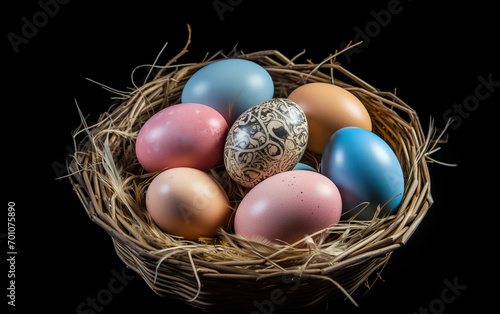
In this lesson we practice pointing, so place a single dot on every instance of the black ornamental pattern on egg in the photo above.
(265, 140)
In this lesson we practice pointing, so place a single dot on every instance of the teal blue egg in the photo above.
(230, 86)
(301, 166)
(365, 169)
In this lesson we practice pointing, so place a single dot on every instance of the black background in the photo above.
(432, 53)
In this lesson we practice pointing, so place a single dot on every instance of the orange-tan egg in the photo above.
(329, 108)
(187, 202)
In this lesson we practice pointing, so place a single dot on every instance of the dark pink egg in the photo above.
(183, 135)
(288, 206)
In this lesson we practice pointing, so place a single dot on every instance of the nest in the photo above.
(229, 272)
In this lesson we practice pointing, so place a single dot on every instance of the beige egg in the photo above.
(187, 202)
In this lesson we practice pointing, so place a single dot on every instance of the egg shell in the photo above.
(187, 202)
(365, 169)
(329, 108)
(301, 166)
(288, 206)
(267, 139)
(229, 86)
(182, 135)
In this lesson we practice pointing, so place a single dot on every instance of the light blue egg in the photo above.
(301, 166)
(365, 169)
(230, 86)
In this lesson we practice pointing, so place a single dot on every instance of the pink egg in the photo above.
(183, 135)
(288, 206)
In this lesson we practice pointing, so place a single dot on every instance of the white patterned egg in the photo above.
(267, 139)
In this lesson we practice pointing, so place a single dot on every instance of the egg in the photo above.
(302, 166)
(329, 108)
(267, 139)
(287, 207)
(230, 86)
(187, 202)
(365, 169)
(182, 135)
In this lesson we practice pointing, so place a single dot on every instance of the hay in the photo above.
(229, 271)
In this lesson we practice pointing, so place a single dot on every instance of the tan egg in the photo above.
(329, 108)
(187, 202)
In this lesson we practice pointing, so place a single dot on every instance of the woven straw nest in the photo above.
(230, 272)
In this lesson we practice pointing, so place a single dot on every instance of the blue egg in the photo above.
(230, 86)
(365, 169)
(301, 166)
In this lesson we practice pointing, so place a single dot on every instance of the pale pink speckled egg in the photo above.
(288, 206)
